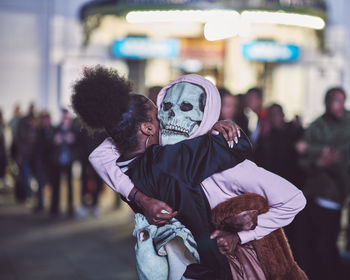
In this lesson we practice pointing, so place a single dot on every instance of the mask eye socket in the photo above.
(186, 106)
(167, 106)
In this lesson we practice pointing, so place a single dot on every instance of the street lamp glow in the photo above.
(202, 16)
(283, 18)
(222, 24)
(218, 30)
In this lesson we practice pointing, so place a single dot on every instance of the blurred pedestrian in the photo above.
(3, 155)
(325, 158)
(241, 119)
(25, 141)
(43, 156)
(229, 104)
(258, 123)
(63, 145)
(91, 183)
(276, 151)
(13, 124)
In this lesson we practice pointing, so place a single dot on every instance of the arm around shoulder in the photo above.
(285, 200)
(103, 159)
(196, 159)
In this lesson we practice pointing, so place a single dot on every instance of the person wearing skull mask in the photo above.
(284, 199)
(102, 100)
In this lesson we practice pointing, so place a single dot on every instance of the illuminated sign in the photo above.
(143, 48)
(270, 51)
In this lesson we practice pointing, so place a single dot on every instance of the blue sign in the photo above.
(270, 51)
(143, 48)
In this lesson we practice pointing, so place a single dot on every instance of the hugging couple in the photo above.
(203, 209)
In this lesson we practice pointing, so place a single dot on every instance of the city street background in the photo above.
(38, 247)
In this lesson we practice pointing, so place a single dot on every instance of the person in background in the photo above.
(229, 104)
(324, 155)
(43, 158)
(91, 183)
(153, 93)
(276, 151)
(13, 123)
(25, 141)
(241, 119)
(3, 156)
(258, 123)
(63, 146)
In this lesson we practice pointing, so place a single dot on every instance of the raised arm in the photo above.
(103, 159)
(194, 160)
(284, 199)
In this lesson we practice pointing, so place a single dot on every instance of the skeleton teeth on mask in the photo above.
(175, 127)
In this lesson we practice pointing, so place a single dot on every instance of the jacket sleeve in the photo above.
(284, 199)
(103, 159)
(314, 138)
(194, 160)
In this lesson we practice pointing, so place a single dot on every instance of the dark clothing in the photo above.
(276, 152)
(331, 182)
(326, 189)
(56, 186)
(242, 120)
(324, 228)
(44, 144)
(91, 183)
(262, 126)
(25, 152)
(43, 161)
(26, 138)
(173, 174)
(3, 156)
(63, 155)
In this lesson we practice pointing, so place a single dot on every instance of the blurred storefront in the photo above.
(294, 49)
(276, 45)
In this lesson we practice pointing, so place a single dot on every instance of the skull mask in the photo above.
(181, 112)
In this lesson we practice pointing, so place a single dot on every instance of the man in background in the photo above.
(325, 158)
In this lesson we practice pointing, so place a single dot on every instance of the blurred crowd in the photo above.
(315, 159)
(41, 154)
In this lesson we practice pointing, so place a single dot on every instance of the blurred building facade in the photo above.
(46, 42)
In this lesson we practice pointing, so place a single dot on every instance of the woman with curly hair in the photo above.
(171, 173)
(181, 175)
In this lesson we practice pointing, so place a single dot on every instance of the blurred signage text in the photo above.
(144, 48)
(270, 51)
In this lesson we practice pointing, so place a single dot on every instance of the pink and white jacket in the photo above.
(285, 200)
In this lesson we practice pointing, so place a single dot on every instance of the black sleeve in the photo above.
(196, 159)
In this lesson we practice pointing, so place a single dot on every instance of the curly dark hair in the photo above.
(103, 100)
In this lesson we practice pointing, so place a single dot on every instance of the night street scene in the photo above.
(175, 140)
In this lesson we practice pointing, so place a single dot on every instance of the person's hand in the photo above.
(229, 129)
(246, 220)
(226, 241)
(328, 157)
(156, 212)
